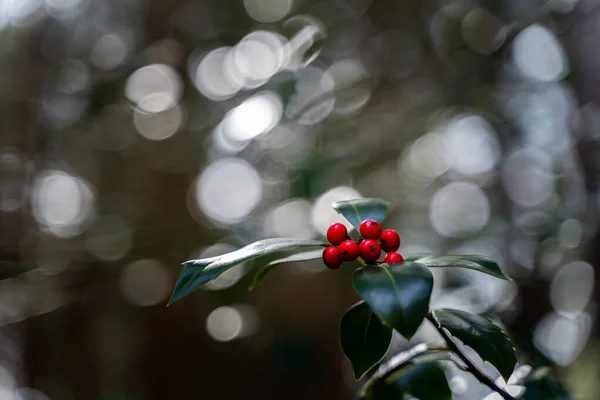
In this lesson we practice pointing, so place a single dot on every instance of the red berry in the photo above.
(393, 257)
(369, 250)
(370, 229)
(331, 257)
(390, 240)
(349, 250)
(336, 234)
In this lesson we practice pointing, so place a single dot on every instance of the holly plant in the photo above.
(396, 293)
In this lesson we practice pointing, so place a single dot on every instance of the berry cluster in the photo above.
(373, 240)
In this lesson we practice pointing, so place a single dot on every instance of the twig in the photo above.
(483, 378)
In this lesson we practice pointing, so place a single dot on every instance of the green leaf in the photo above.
(482, 335)
(545, 388)
(399, 294)
(356, 211)
(363, 338)
(426, 381)
(197, 272)
(391, 365)
(264, 270)
(474, 262)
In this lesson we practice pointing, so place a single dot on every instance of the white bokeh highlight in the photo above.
(459, 209)
(227, 323)
(62, 203)
(290, 219)
(255, 116)
(471, 145)
(228, 190)
(538, 54)
(160, 82)
(528, 176)
(323, 214)
(561, 339)
(268, 10)
(571, 288)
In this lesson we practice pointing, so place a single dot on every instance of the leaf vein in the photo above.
(363, 344)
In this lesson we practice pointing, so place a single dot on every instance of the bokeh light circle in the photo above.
(228, 190)
(459, 209)
(471, 144)
(572, 287)
(62, 203)
(255, 116)
(313, 100)
(323, 214)
(159, 81)
(352, 84)
(539, 55)
(268, 10)
(212, 78)
(159, 125)
(227, 323)
(146, 282)
(290, 219)
(528, 177)
(256, 58)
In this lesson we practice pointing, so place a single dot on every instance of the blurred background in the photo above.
(137, 134)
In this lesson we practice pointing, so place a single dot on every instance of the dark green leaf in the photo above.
(399, 294)
(197, 272)
(356, 211)
(416, 256)
(391, 365)
(264, 270)
(364, 339)
(426, 381)
(483, 336)
(545, 388)
(474, 262)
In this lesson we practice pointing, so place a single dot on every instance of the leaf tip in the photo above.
(503, 276)
(174, 297)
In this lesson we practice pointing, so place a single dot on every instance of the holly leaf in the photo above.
(399, 294)
(482, 335)
(363, 338)
(358, 210)
(415, 371)
(425, 381)
(264, 270)
(474, 262)
(198, 272)
(391, 365)
(545, 387)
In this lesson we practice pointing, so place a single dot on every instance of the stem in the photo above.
(440, 348)
(472, 368)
